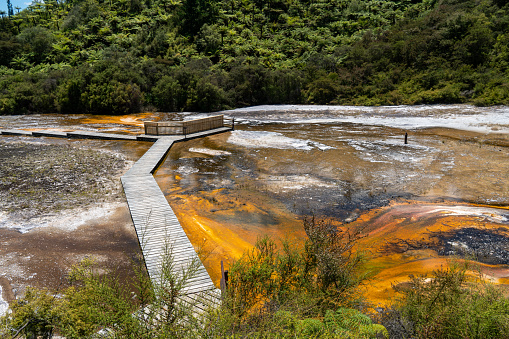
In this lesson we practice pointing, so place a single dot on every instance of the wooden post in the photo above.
(185, 130)
(223, 284)
(406, 138)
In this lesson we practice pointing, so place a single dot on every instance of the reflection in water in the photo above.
(418, 203)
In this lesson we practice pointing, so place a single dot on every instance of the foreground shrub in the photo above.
(323, 273)
(104, 304)
(298, 290)
(449, 305)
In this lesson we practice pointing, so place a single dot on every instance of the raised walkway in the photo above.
(156, 224)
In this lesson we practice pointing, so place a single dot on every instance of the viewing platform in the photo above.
(187, 126)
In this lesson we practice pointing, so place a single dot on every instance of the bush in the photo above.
(26, 93)
(168, 95)
(112, 98)
(304, 281)
(450, 305)
(96, 302)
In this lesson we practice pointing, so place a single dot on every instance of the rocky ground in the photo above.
(59, 203)
(39, 179)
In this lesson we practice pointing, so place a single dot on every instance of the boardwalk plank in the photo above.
(54, 134)
(16, 132)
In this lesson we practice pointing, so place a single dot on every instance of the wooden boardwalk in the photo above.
(155, 222)
(73, 134)
(108, 136)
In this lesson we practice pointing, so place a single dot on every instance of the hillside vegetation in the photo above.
(124, 56)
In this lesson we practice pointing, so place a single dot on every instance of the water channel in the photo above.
(443, 195)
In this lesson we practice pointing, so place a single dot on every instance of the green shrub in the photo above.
(295, 282)
(168, 95)
(351, 323)
(447, 94)
(321, 91)
(450, 305)
(112, 98)
(310, 328)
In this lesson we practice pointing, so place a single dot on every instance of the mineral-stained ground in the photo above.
(60, 202)
(38, 179)
(443, 196)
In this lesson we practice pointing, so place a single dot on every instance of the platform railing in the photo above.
(186, 127)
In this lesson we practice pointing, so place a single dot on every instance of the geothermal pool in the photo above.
(443, 195)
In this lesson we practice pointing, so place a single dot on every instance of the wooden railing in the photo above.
(185, 127)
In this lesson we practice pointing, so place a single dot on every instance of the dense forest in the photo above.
(124, 56)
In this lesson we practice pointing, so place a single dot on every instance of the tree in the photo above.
(38, 41)
(196, 13)
(10, 11)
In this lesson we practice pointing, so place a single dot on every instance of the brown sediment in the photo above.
(40, 179)
(43, 257)
(493, 139)
(57, 240)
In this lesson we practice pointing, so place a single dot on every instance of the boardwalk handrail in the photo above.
(183, 127)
